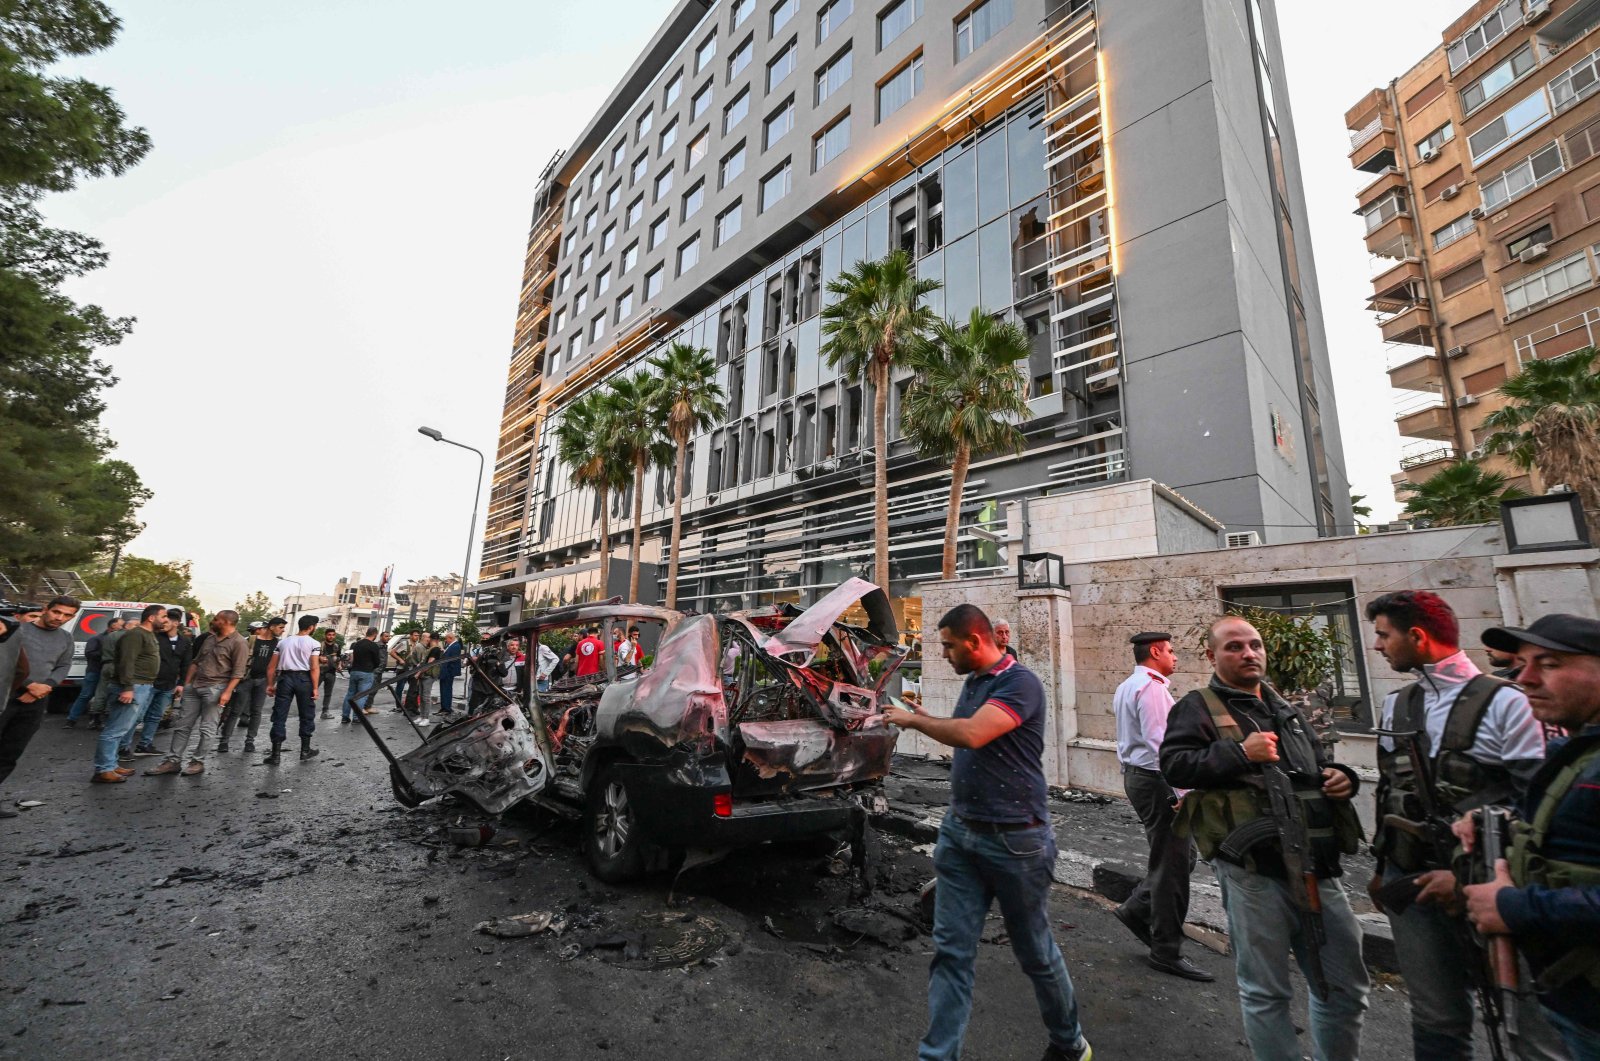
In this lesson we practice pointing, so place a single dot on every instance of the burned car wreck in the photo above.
(736, 729)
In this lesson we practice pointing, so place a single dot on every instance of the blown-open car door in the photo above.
(493, 760)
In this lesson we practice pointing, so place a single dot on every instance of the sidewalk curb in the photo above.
(1115, 881)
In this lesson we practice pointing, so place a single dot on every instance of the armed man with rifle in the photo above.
(1452, 740)
(1545, 893)
(1272, 814)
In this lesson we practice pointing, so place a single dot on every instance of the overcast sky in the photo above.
(324, 248)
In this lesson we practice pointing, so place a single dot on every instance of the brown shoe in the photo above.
(125, 771)
(166, 767)
(110, 777)
(194, 769)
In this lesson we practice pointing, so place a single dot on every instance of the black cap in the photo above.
(1559, 632)
(277, 620)
(1149, 638)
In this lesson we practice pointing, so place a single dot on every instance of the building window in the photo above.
(575, 348)
(1481, 37)
(1519, 119)
(591, 219)
(1577, 84)
(642, 127)
(1523, 177)
(617, 154)
(608, 238)
(652, 281)
(897, 91)
(641, 166)
(1501, 77)
(728, 223)
(1430, 144)
(734, 112)
(1544, 235)
(559, 324)
(699, 146)
(777, 123)
(614, 196)
(781, 65)
(630, 256)
(833, 75)
(832, 16)
(694, 199)
(896, 19)
(635, 212)
(742, 9)
(624, 305)
(602, 283)
(580, 301)
(594, 179)
(741, 57)
(700, 103)
(669, 136)
(1447, 235)
(831, 142)
(663, 183)
(781, 13)
(565, 282)
(1548, 284)
(1332, 606)
(705, 53)
(586, 259)
(732, 165)
(597, 328)
(689, 255)
(658, 231)
(674, 90)
(570, 243)
(1382, 209)
(776, 185)
(974, 29)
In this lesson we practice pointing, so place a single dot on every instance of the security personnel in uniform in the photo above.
(1156, 910)
(1218, 740)
(1546, 894)
(1483, 745)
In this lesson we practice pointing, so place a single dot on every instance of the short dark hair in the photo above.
(371, 630)
(150, 612)
(633, 629)
(1413, 608)
(65, 601)
(1141, 652)
(307, 622)
(175, 614)
(228, 615)
(967, 620)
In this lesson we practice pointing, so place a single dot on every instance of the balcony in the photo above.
(1390, 180)
(1562, 337)
(1426, 456)
(1412, 324)
(1417, 374)
(1397, 280)
(1431, 421)
(1372, 147)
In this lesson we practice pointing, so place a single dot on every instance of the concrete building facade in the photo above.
(1120, 177)
(1483, 217)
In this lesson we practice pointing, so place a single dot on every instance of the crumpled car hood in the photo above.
(805, 632)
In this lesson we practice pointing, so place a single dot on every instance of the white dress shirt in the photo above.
(1141, 706)
(1508, 733)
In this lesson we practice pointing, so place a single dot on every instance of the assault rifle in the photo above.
(1494, 827)
(1286, 825)
(1434, 831)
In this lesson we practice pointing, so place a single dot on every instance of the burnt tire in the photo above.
(612, 844)
(402, 789)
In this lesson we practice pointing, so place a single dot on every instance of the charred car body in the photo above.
(737, 729)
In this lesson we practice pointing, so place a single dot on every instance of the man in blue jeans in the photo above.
(93, 668)
(366, 663)
(996, 843)
(138, 662)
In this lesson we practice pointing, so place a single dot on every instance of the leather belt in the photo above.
(998, 827)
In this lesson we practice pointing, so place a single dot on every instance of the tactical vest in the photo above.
(1460, 781)
(1529, 866)
(1210, 815)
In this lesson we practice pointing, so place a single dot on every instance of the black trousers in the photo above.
(328, 678)
(1161, 900)
(18, 723)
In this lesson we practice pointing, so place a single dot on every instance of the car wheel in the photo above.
(611, 841)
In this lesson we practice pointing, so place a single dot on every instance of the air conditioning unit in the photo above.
(1456, 351)
(1476, 212)
(1534, 253)
(1392, 528)
(1428, 155)
(1240, 539)
(1450, 192)
(1476, 453)
(1537, 10)
(1466, 400)
(1103, 386)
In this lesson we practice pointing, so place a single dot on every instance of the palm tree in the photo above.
(967, 398)
(878, 315)
(583, 444)
(1552, 423)
(1460, 494)
(632, 412)
(1360, 510)
(690, 399)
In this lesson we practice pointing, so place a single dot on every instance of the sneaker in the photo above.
(222, 746)
(98, 723)
(1084, 1052)
(249, 746)
(423, 722)
(325, 714)
(125, 756)
(145, 749)
(72, 723)
(194, 769)
(344, 722)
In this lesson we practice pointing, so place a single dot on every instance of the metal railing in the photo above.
(1366, 132)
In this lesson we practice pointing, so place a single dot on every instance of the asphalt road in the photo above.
(298, 911)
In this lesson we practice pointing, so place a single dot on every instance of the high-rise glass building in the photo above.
(1119, 177)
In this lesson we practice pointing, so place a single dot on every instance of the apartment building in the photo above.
(1118, 176)
(1482, 217)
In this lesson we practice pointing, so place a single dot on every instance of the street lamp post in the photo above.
(472, 528)
(299, 593)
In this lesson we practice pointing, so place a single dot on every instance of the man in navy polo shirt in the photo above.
(996, 842)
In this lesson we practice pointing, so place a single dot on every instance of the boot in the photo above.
(306, 750)
(276, 757)
(222, 746)
(249, 746)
